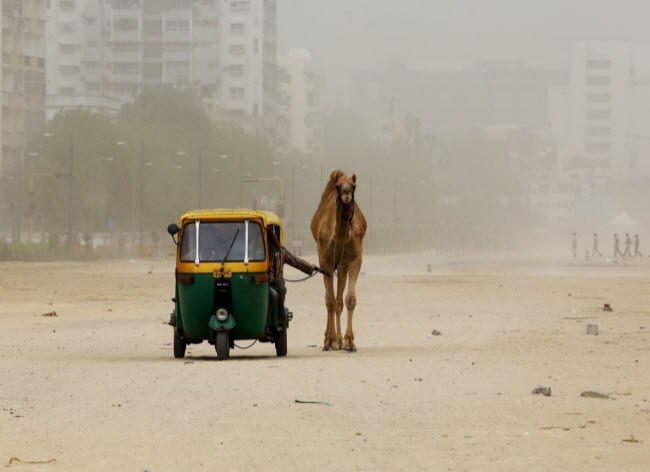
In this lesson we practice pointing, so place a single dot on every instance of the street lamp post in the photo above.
(71, 191)
(140, 197)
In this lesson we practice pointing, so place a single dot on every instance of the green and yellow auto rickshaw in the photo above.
(222, 291)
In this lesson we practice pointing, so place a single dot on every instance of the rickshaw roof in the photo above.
(267, 217)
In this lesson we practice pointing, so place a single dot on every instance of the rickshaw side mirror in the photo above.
(172, 229)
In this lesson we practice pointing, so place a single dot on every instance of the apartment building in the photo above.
(593, 118)
(300, 103)
(76, 62)
(115, 49)
(22, 79)
(249, 52)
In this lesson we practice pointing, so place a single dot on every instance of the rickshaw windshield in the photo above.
(215, 238)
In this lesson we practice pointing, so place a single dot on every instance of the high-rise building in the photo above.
(115, 49)
(76, 59)
(594, 116)
(301, 87)
(249, 59)
(22, 80)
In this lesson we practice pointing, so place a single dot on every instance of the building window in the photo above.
(598, 114)
(125, 47)
(177, 25)
(598, 98)
(256, 46)
(237, 49)
(178, 46)
(66, 5)
(236, 70)
(597, 148)
(240, 6)
(237, 92)
(598, 81)
(68, 70)
(598, 131)
(125, 24)
(66, 91)
(178, 70)
(152, 27)
(237, 28)
(598, 64)
(67, 48)
(67, 27)
(126, 68)
(92, 44)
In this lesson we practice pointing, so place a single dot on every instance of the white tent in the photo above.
(623, 220)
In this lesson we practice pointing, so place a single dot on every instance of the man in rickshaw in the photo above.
(279, 255)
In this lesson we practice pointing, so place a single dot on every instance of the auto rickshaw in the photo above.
(223, 293)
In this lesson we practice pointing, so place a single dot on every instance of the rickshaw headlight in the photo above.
(222, 314)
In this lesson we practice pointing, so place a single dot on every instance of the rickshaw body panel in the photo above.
(195, 284)
(250, 305)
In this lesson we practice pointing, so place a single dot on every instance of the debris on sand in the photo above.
(592, 394)
(607, 307)
(16, 459)
(631, 439)
(592, 329)
(51, 313)
(310, 402)
(435, 332)
(546, 391)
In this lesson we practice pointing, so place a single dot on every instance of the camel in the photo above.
(338, 227)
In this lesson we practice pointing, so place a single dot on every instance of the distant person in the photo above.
(637, 253)
(595, 249)
(574, 246)
(617, 246)
(628, 246)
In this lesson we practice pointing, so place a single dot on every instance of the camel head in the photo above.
(345, 187)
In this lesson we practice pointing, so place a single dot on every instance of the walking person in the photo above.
(637, 253)
(617, 246)
(574, 246)
(595, 249)
(628, 246)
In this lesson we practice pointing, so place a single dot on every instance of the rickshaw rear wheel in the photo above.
(222, 345)
(281, 343)
(179, 346)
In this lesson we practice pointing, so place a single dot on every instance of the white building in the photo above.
(76, 63)
(301, 87)
(106, 52)
(593, 117)
(249, 84)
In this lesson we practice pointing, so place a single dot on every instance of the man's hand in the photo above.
(322, 271)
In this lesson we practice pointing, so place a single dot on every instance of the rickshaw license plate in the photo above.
(222, 273)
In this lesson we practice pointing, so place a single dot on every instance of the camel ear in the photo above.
(354, 178)
(336, 175)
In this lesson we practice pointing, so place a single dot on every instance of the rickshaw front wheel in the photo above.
(179, 346)
(281, 343)
(222, 345)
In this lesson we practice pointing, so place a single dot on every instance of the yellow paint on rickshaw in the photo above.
(265, 218)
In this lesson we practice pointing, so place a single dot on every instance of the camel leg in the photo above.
(330, 303)
(351, 303)
(340, 290)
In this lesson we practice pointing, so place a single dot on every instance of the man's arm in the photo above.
(298, 263)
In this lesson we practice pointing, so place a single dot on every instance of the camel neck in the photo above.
(346, 211)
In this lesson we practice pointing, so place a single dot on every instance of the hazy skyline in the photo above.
(350, 35)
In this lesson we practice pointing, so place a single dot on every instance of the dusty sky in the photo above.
(347, 35)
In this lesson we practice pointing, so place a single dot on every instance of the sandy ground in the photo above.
(97, 388)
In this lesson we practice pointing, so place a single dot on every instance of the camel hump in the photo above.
(336, 175)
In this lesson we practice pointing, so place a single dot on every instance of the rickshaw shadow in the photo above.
(245, 358)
